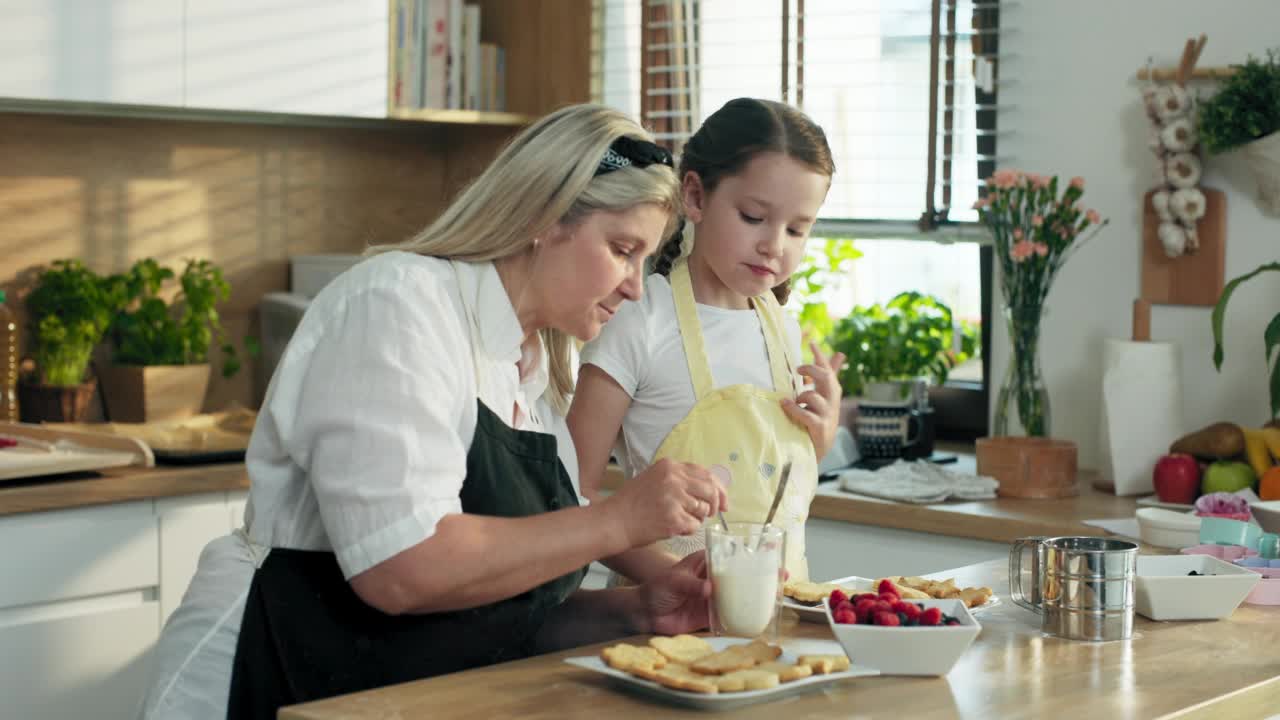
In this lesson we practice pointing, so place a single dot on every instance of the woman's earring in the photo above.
(536, 241)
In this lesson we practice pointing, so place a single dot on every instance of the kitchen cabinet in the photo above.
(324, 57)
(117, 51)
(79, 660)
(187, 524)
(97, 584)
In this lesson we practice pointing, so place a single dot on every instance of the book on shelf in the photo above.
(437, 60)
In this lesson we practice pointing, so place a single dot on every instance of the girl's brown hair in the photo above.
(734, 135)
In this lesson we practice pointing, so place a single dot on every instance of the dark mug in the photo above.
(885, 429)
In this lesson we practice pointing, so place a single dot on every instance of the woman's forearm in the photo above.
(592, 616)
(643, 563)
(475, 560)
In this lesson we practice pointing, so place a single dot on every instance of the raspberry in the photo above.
(846, 605)
(890, 598)
(865, 606)
(845, 617)
(953, 621)
(882, 606)
(886, 587)
(931, 616)
(838, 596)
(864, 596)
(908, 609)
(887, 619)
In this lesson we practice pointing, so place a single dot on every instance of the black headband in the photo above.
(630, 152)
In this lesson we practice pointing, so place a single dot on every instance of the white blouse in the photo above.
(360, 446)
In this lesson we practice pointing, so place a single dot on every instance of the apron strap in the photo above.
(695, 352)
(781, 364)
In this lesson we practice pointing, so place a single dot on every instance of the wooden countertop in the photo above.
(1219, 669)
(118, 485)
(999, 520)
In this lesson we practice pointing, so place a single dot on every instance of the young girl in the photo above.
(703, 369)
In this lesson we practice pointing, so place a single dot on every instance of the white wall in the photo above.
(1075, 109)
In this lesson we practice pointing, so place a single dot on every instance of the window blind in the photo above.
(905, 89)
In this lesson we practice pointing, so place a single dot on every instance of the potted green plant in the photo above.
(160, 351)
(1245, 113)
(889, 347)
(1270, 336)
(70, 309)
(825, 263)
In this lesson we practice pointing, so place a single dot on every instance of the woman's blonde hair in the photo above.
(544, 176)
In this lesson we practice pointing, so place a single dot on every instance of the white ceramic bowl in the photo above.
(1167, 528)
(1267, 514)
(912, 650)
(1164, 591)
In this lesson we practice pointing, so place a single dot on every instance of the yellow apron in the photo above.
(743, 428)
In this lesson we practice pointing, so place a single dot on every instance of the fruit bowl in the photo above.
(916, 650)
(1164, 589)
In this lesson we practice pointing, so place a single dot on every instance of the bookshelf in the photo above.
(546, 44)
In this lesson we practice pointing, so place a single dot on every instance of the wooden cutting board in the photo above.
(1189, 279)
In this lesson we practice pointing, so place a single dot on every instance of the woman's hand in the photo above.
(676, 601)
(818, 410)
(670, 498)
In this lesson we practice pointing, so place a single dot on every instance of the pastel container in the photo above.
(1222, 531)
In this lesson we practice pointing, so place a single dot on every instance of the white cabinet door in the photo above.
(324, 57)
(187, 524)
(82, 552)
(91, 662)
(120, 51)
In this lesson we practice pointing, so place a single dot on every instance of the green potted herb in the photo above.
(70, 309)
(1270, 336)
(160, 350)
(888, 347)
(1245, 113)
(825, 263)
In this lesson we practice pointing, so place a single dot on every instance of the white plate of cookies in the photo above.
(721, 673)
(806, 597)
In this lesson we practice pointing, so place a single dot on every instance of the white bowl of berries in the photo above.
(901, 637)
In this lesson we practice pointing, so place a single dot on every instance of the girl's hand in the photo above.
(676, 601)
(669, 498)
(818, 410)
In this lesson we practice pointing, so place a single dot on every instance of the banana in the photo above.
(1256, 445)
(1271, 436)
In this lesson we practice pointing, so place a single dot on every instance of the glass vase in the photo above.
(1022, 403)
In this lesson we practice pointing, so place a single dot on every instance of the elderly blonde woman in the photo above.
(413, 507)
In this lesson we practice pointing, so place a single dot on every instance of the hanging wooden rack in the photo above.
(1187, 69)
(1202, 73)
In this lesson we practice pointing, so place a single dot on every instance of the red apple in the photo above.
(1177, 478)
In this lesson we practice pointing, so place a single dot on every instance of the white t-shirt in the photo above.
(360, 446)
(641, 348)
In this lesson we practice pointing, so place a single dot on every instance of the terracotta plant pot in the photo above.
(1029, 467)
(55, 403)
(145, 393)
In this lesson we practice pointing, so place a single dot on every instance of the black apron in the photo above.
(306, 635)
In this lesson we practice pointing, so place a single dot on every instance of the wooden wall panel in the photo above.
(111, 191)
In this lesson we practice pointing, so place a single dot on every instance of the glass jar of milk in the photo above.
(745, 564)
